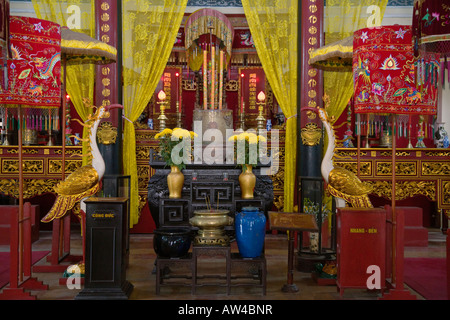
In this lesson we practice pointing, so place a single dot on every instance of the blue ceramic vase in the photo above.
(250, 228)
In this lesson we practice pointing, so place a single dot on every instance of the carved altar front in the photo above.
(424, 171)
(42, 168)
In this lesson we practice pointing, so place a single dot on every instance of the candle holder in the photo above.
(162, 117)
(242, 120)
(5, 141)
(367, 141)
(179, 124)
(410, 146)
(261, 120)
(50, 140)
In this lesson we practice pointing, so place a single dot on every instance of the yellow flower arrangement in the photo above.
(168, 139)
(249, 138)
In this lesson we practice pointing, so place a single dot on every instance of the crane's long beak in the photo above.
(113, 106)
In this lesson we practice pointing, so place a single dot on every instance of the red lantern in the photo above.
(385, 76)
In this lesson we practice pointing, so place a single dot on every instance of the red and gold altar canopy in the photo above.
(34, 70)
(207, 22)
(385, 79)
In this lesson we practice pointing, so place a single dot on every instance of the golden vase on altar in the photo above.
(247, 181)
(175, 181)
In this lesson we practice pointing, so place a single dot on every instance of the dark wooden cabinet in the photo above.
(106, 249)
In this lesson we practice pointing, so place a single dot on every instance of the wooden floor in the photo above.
(142, 259)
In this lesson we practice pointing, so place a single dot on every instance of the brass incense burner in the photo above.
(211, 224)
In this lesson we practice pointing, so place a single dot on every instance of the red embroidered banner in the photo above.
(34, 70)
(385, 75)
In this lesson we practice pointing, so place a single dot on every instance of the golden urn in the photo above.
(211, 224)
(175, 181)
(247, 181)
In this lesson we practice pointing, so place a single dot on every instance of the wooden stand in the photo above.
(291, 222)
(211, 251)
(233, 262)
(106, 239)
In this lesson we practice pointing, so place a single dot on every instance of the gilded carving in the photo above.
(105, 27)
(139, 126)
(401, 168)
(446, 192)
(106, 92)
(278, 179)
(188, 85)
(105, 38)
(145, 136)
(312, 72)
(232, 85)
(31, 188)
(105, 6)
(28, 166)
(143, 153)
(311, 115)
(143, 173)
(311, 134)
(312, 104)
(24, 151)
(365, 168)
(105, 17)
(142, 201)
(404, 189)
(437, 153)
(435, 168)
(71, 152)
(398, 153)
(55, 166)
(106, 133)
(349, 153)
(278, 202)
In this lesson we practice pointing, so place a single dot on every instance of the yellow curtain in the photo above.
(80, 77)
(274, 26)
(342, 18)
(149, 32)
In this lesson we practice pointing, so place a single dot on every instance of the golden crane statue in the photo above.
(343, 184)
(86, 180)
